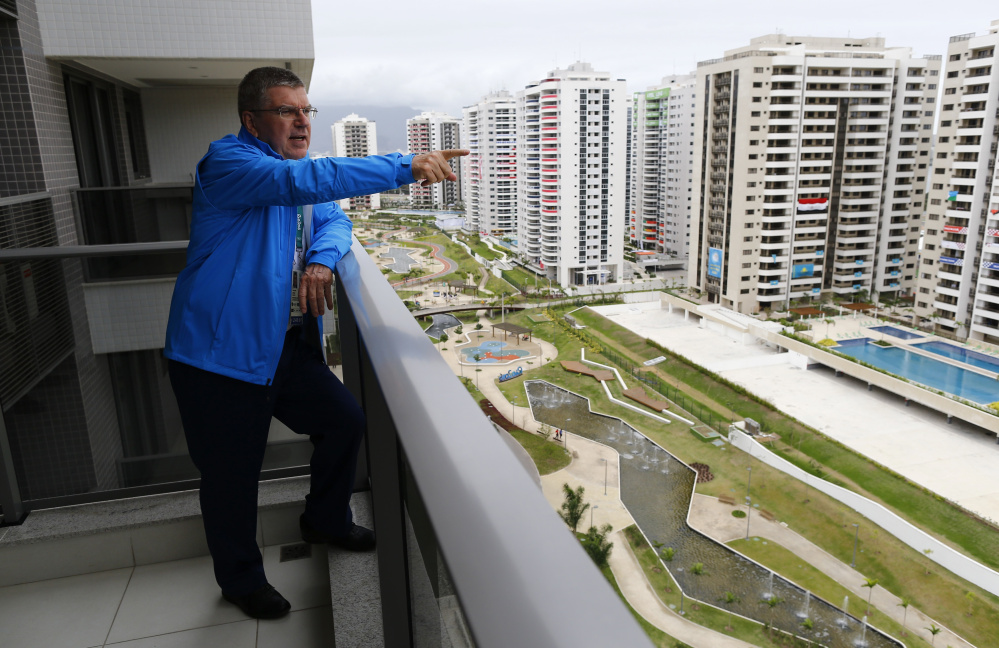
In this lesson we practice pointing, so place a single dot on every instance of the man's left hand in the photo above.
(315, 287)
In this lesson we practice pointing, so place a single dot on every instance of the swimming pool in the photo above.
(925, 371)
(897, 332)
(973, 358)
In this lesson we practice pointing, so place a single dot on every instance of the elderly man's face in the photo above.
(288, 137)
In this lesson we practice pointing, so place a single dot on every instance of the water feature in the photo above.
(659, 500)
(842, 621)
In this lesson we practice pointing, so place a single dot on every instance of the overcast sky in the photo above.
(447, 55)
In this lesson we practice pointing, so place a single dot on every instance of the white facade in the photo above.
(812, 158)
(571, 175)
(435, 131)
(959, 271)
(355, 136)
(662, 151)
(489, 172)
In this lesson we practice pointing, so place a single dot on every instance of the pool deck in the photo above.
(956, 461)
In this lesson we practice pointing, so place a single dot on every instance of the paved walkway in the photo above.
(595, 467)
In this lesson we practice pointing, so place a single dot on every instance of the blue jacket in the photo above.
(231, 302)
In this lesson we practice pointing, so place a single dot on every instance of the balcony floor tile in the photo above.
(76, 611)
(239, 634)
(171, 597)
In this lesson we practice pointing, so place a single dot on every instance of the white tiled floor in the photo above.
(167, 605)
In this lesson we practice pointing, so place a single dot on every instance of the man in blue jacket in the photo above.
(243, 336)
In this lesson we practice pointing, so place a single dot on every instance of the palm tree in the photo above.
(905, 610)
(933, 631)
(573, 507)
(871, 583)
(772, 603)
(829, 321)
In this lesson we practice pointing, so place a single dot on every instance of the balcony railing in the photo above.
(452, 505)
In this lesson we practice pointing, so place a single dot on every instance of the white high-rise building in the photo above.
(811, 164)
(662, 151)
(958, 289)
(489, 172)
(435, 131)
(571, 180)
(355, 136)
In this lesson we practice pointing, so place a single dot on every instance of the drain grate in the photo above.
(296, 551)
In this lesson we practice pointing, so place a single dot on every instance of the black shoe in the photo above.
(357, 539)
(264, 603)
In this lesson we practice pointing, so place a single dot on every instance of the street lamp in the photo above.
(749, 508)
(605, 474)
(591, 514)
(856, 536)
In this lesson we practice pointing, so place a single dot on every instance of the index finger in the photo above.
(453, 153)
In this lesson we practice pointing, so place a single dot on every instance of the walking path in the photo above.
(595, 467)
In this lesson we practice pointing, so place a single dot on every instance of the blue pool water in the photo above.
(973, 358)
(897, 332)
(926, 371)
(492, 352)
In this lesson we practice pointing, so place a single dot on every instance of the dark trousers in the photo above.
(226, 423)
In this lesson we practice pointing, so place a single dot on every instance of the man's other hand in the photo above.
(432, 167)
(315, 287)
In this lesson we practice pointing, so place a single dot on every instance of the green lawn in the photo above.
(549, 457)
(772, 555)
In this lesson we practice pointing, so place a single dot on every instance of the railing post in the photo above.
(10, 494)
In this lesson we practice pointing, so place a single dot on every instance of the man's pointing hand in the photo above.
(429, 168)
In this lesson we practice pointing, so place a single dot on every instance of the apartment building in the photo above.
(812, 157)
(434, 131)
(662, 150)
(958, 289)
(106, 110)
(355, 136)
(571, 179)
(489, 171)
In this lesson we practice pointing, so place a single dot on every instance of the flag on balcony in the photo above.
(952, 195)
(812, 205)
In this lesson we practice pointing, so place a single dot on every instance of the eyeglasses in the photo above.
(291, 112)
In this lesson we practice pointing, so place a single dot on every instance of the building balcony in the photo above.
(439, 562)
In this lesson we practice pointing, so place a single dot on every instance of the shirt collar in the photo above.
(245, 137)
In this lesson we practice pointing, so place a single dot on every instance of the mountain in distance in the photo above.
(391, 121)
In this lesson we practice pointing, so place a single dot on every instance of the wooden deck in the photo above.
(638, 395)
(578, 367)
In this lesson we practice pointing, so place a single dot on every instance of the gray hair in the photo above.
(254, 86)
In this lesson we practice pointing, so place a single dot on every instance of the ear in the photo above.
(248, 123)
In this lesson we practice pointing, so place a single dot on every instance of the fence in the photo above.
(672, 393)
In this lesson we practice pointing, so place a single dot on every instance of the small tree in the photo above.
(596, 545)
(772, 603)
(969, 596)
(668, 553)
(729, 597)
(871, 583)
(905, 602)
(934, 630)
(573, 507)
